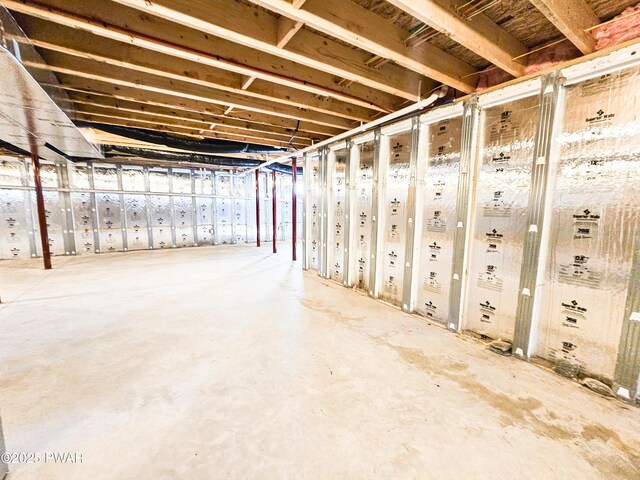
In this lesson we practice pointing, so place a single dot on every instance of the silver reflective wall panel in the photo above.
(593, 223)
(136, 220)
(109, 222)
(183, 218)
(83, 222)
(337, 213)
(133, 179)
(284, 190)
(362, 197)
(393, 215)
(105, 177)
(439, 186)
(11, 172)
(504, 178)
(181, 181)
(158, 180)
(160, 221)
(314, 212)
(14, 226)
(224, 220)
(80, 176)
(240, 220)
(204, 207)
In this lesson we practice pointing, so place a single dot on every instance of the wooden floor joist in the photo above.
(48, 36)
(106, 19)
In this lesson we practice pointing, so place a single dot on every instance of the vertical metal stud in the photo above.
(347, 223)
(467, 178)
(411, 216)
(172, 213)
(626, 382)
(532, 261)
(324, 220)
(123, 213)
(214, 213)
(274, 206)
(375, 207)
(306, 224)
(64, 186)
(94, 208)
(257, 208)
(194, 204)
(147, 197)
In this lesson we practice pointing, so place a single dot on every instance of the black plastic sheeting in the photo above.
(111, 151)
(206, 146)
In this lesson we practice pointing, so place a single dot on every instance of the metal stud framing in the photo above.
(411, 216)
(463, 211)
(324, 220)
(123, 213)
(347, 219)
(306, 178)
(147, 197)
(27, 202)
(375, 207)
(94, 209)
(532, 261)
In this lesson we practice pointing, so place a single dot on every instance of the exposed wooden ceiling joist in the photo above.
(478, 33)
(162, 35)
(573, 18)
(78, 87)
(49, 36)
(361, 27)
(255, 28)
(80, 67)
(88, 103)
(114, 117)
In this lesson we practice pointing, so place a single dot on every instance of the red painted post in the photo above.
(274, 204)
(257, 208)
(42, 216)
(294, 208)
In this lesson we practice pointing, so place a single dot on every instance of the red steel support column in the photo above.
(274, 204)
(42, 217)
(257, 208)
(294, 208)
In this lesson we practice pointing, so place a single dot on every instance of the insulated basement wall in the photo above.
(513, 215)
(104, 208)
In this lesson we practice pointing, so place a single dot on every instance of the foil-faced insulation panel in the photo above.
(204, 219)
(361, 232)
(394, 217)
(105, 177)
(83, 222)
(500, 217)
(251, 209)
(14, 224)
(203, 181)
(224, 219)
(11, 172)
(183, 218)
(160, 221)
(48, 175)
(181, 181)
(223, 185)
(439, 188)
(109, 222)
(135, 207)
(56, 224)
(80, 176)
(159, 180)
(337, 214)
(313, 212)
(594, 221)
(240, 219)
(133, 179)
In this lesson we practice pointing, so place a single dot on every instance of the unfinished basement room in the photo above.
(319, 239)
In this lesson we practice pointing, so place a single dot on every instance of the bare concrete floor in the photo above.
(230, 363)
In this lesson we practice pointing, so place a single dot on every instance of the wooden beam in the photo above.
(65, 64)
(297, 3)
(365, 29)
(478, 33)
(75, 86)
(162, 35)
(180, 126)
(287, 28)
(181, 131)
(49, 36)
(87, 102)
(252, 27)
(572, 18)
